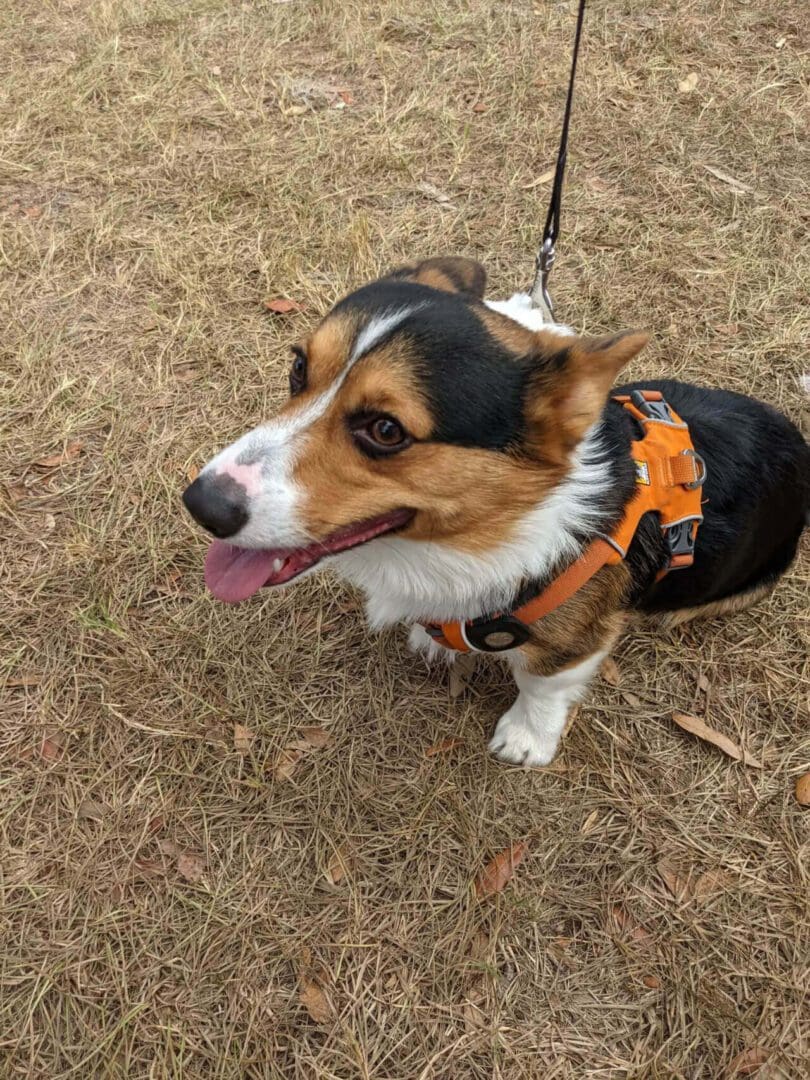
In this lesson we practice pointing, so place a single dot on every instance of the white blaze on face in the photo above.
(263, 461)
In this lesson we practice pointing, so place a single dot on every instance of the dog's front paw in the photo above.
(518, 741)
(422, 644)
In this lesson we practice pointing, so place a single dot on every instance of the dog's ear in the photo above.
(450, 274)
(569, 383)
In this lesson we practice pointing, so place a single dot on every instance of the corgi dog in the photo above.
(451, 456)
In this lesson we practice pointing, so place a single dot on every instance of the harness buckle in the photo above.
(655, 409)
(680, 541)
(497, 634)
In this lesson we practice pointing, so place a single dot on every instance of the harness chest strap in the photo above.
(669, 478)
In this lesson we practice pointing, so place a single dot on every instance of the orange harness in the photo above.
(669, 478)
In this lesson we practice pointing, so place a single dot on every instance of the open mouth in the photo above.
(233, 574)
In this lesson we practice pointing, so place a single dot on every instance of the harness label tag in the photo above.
(642, 472)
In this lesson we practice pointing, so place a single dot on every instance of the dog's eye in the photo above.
(386, 432)
(380, 435)
(298, 372)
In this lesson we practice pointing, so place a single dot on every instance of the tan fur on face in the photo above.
(471, 498)
(385, 382)
(328, 348)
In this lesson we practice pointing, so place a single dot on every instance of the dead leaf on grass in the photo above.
(677, 881)
(480, 107)
(474, 1016)
(169, 584)
(279, 305)
(432, 192)
(33, 212)
(573, 713)
(52, 747)
(23, 680)
(610, 671)
(543, 178)
(150, 867)
(461, 675)
(748, 1062)
(287, 762)
(803, 790)
(727, 178)
(317, 737)
(190, 866)
(341, 865)
(629, 927)
(290, 756)
(684, 885)
(308, 93)
(89, 808)
(192, 473)
(688, 84)
(242, 737)
(710, 883)
(479, 946)
(346, 97)
(652, 982)
(497, 873)
(695, 726)
(17, 492)
(63, 457)
(315, 1001)
(632, 699)
(589, 823)
(443, 747)
(704, 684)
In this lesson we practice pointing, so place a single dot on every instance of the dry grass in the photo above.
(159, 179)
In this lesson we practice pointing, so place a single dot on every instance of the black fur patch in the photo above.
(473, 385)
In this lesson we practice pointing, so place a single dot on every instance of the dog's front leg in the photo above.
(529, 733)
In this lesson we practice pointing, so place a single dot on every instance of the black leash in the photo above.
(545, 255)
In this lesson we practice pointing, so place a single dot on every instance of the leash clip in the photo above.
(543, 266)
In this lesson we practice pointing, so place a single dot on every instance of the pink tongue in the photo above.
(233, 574)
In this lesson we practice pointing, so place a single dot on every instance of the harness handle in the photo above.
(546, 252)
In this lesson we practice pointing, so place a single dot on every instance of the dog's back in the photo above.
(756, 497)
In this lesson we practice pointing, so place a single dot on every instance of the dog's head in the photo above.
(414, 407)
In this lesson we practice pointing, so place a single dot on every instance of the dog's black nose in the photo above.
(218, 503)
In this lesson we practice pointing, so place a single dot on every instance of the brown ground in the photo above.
(167, 908)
